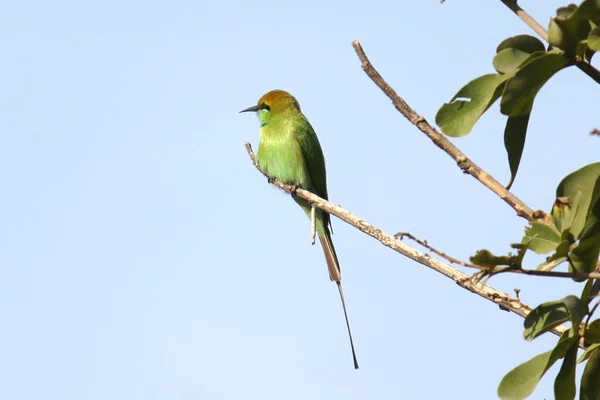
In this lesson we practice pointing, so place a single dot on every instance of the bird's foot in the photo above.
(293, 189)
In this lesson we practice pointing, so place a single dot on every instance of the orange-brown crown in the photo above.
(279, 100)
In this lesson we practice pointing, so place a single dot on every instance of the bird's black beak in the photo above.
(253, 108)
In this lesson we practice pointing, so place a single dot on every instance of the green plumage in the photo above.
(289, 151)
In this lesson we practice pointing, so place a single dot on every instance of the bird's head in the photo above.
(273, 103)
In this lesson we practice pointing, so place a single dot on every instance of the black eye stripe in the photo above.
(265, 107)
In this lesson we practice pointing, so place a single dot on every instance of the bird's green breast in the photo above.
(280, 155)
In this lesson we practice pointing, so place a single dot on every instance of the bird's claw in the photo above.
(293, 189)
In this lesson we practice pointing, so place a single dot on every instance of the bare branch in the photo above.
(539, 29)
(441, 141)
(557, 274)
(525, 17)
(592, 311)
(450, 259)
(532, 272)
(503, 300)
(313, 224)
(517, 291)
(588, 69)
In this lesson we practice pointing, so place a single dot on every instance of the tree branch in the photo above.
(532, 272)
(539, 29)
(503, 300)
(450, 259)
(442, 142)
(590, 313)
(527, 18)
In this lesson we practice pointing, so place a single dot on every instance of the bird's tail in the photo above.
(335, 275)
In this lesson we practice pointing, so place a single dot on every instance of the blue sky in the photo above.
(143, 257)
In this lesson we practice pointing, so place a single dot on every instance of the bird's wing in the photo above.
(314, 160)
(313, 157)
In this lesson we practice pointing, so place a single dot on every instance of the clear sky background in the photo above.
(143, 257)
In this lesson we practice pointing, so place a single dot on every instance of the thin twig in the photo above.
(539, 29)
(450, 259)
(503, 300)
(313, 224)
(440, 140)
(525, 17)
(592, 311)
(556, 274)
(532, 272)
(589, 70)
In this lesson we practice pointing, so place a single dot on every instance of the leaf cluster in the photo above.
(523, 65)
(570, 232)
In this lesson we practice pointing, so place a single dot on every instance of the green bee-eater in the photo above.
(289, 150)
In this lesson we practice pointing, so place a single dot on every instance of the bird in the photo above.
(289, 150)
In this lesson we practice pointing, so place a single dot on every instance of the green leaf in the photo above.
(514, 141)
(590, 381)
(592, 333)
(560, 37)
(588, 352)
(586, 294)
(584, 257)
(594, 39)
(525, 43)
(558, 257)
(508, 60)
(562, 250)
(564, 384)
(458, 117)
(532, 56)
(577, 309)
(592, 220)
(567, 12)
(589, 9)
(583, 181)
(571, 25)
(545, 317)
(515, 51)
(595, 290)
(555, 260)
(563, 213)
(484, 258)
(520, 91)
(522, 380)
(541, 237)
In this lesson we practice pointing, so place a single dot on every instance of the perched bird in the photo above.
(289, 151)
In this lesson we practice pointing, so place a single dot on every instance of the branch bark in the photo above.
(532, 272)
(503, 300)
(442, 142)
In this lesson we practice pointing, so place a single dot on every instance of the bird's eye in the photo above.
(265, 106)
